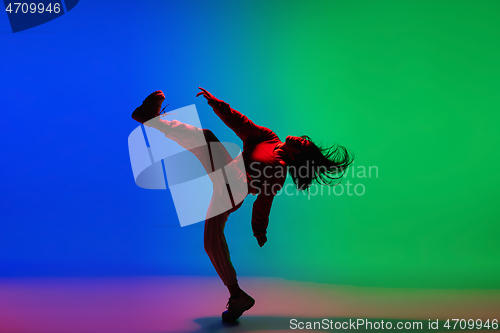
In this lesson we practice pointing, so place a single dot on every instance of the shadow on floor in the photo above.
(270, 324)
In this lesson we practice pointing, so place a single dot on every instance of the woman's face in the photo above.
(296, 144)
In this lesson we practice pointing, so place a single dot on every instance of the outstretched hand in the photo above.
(262, 240)
(207, 95)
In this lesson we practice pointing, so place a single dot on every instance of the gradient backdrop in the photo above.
(411, 87)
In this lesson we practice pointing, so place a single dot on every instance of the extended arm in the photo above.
(244, 128)
(260, 217)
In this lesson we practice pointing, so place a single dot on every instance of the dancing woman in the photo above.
(266, 160)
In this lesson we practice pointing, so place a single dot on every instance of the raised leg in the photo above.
(213, 155)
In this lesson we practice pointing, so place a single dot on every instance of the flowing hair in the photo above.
(320, 164)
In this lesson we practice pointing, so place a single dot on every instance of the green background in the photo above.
(412, 88)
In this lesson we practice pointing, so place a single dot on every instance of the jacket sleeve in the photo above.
(244, 128)
(260, 214)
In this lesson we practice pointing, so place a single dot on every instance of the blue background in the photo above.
(69, 202)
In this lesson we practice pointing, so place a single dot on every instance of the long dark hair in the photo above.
(320, 164)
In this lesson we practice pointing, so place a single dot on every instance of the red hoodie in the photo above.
(266, 173)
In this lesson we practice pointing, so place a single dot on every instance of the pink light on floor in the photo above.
(194, 304)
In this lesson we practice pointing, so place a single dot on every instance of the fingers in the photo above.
(205, 93)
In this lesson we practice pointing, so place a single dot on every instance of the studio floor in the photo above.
(185, 304)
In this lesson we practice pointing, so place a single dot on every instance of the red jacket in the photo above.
(266, 174)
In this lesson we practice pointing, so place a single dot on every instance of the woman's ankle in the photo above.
(234, 290)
